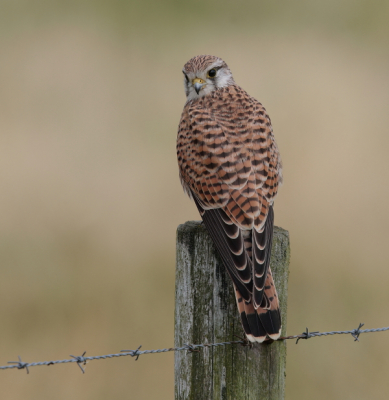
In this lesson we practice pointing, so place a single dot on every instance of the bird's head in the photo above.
(204, 74)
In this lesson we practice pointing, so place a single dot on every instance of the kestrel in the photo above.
(230, 166)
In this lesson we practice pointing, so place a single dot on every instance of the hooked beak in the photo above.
(198, 83)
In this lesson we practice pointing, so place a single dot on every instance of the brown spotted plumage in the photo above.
(230, 165)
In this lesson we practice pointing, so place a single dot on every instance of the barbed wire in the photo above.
(189, 348)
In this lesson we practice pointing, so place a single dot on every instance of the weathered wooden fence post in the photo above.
(206, 312)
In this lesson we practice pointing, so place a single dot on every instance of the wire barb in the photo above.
(356, 332)
(80, 360)
(306, 335)
(20, 364)
(191, 348)
(133, 353)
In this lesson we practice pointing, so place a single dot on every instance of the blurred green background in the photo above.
(90, 98)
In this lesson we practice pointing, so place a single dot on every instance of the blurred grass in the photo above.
(90, 99)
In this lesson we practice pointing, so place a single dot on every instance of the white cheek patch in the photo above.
(224, 78)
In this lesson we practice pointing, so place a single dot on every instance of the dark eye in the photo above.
(212, 73)
(186, 76)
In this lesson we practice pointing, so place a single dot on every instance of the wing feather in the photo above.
(262, 243)
(238, 265)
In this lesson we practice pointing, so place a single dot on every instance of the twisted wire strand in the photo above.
(190, 348)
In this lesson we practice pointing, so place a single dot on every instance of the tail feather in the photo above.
(256, 326)
(265, 321)
(269, 310)
(245, 323)
(251, 323)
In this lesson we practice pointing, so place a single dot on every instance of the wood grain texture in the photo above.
(205, 312)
